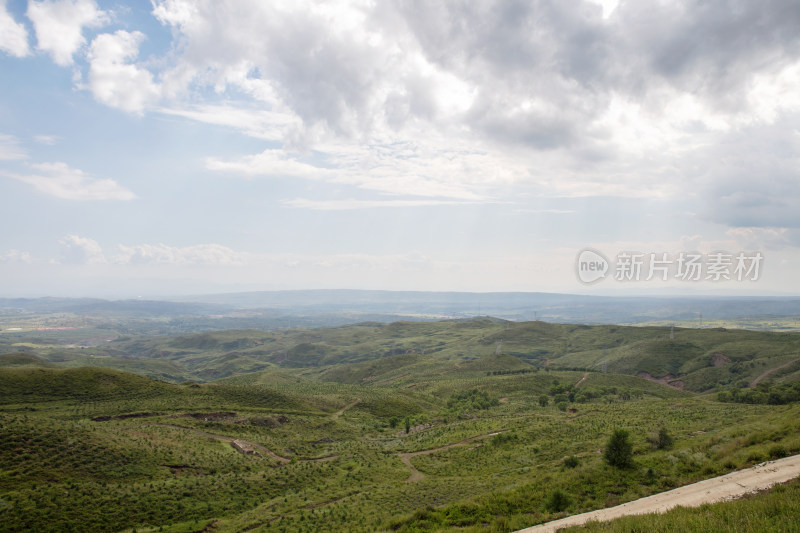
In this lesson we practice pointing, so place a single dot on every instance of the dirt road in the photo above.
(770, 371)
(416, 475)
(727, 487)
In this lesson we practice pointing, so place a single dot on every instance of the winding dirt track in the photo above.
(416, 475)
(770, 371)
(722, 488)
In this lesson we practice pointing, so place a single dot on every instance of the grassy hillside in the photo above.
(694, 359)
(468, 446)
(459, 425)
(21, 359)
(773, 510)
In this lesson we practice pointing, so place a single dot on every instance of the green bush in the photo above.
(557, 501)
(571, 462)
(619, 450)
(661, 440)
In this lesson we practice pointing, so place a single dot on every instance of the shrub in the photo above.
(777, 451)
(544, 400)
(571, 462)
(660, 440)
(619, 450)
(557, 501)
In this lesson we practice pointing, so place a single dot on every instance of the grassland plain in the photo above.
(92, 449)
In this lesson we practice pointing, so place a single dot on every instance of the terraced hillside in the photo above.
(476, 445)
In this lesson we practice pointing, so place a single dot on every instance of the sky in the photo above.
(191, 147)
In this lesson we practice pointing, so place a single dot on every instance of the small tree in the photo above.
(619, 450)
(544, 400)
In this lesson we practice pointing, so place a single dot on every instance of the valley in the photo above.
(477, 424)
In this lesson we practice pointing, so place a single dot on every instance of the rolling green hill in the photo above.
(694, 359)
(435, 445)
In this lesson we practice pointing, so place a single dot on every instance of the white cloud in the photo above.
(59, 26)
(62, 181)
(269, 163)
(16, 256)
(77, 250)
(200, 254)
(753, 239)
(470, 102)
(349, 204)
(608, 6)
(48, 140)
(13, 35)
(400, 168)
(547, 211)
(113, 80)
(10, 149)
(252, 121)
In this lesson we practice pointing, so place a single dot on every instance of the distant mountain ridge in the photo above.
(520, 306)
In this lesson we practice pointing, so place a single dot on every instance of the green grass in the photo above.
(773, 510)
(405, 352)
(332, 404)
(169, 465)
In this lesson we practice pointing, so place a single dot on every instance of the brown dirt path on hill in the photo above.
(728, 487)
(416, 475)
(770, 371)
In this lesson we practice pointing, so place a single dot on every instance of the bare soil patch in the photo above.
(669, 380)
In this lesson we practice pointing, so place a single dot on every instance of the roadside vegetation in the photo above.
(773, 510)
